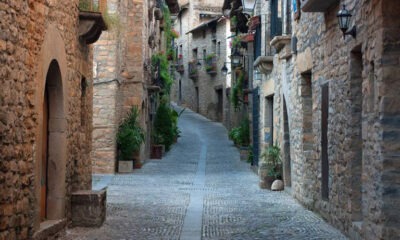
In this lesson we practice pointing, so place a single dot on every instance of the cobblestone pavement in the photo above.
(200, 190)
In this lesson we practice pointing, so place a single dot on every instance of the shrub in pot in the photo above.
(241, 138)
(271, 166)
(130, 137)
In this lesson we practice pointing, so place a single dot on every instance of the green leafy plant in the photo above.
(175, 116)
(164, 126)
(234, 135)
(130, 135)
(192, 67)
(210, 56)
(170, 33)
(174, 33)
(241, 135)
(112, 20)
(237, 89)
(234, 21)
(85, 5)
(237, 42)
(272, 160)
(165, 75)
(250, 157)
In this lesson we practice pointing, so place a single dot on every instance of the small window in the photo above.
(214, 46)
(204, 54)
(219, 48)
(194, 52)
(269, 120)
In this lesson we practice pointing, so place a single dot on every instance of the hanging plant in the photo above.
(160, 60)
(237, 89)
(174, 33)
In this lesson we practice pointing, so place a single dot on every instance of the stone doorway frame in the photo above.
(286, 158)
(51, 74)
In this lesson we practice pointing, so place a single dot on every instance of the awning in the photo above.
(205, 24)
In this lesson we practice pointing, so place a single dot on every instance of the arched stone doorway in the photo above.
(53, 146)
(51, 140)
(287, 165)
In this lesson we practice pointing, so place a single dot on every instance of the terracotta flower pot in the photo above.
(156, 151)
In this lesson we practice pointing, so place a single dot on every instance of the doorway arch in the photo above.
(53, 157)
(287, 163)
(51, 140)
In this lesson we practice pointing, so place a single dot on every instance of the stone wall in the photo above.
(362, 130)
(121, 80)
(106, 85)
(32, 35)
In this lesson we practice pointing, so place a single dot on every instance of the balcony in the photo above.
(317, 5)
(179, 65)
(193, 73)
(264, 64)
(91, 22)
(211, 64)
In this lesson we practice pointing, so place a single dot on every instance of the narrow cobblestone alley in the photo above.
(200, 190)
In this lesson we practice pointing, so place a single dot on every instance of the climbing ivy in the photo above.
(237, 89)
(165, 76)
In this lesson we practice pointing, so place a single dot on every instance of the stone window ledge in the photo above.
(317, 5)
(91, 25)
(264, 64)
(282, 44)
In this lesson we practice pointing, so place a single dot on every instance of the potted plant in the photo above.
(211, 66)
(130, 137)
(241, 138)
(271, 166)
(164, 130)
(157, 148)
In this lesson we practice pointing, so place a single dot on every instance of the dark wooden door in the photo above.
(256, 122)
(220, 105)
(43, 177)
(324, 142)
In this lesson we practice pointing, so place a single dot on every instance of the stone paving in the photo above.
(200, 190)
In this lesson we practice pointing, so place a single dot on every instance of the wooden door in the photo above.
(220, 105)
(43, 177)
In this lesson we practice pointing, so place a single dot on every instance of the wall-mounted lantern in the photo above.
(224, 69)
(344, 21)
(248, 6)
(236, 57)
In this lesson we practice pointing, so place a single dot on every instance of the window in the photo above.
(214, 46)
(257, 42)
(276, 18)
(268, 120)
(194, 54)
(204, 54)
(180, 26)
(219, 48)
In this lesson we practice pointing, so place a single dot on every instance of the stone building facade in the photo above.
(335, 112)
(122, 77)
(46, 113)
(202, 51)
